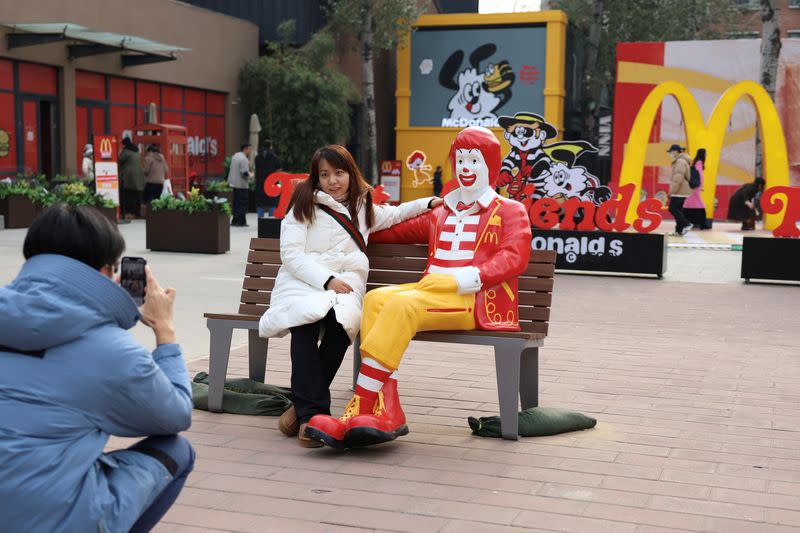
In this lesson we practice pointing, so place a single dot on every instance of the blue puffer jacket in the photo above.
(70, 376)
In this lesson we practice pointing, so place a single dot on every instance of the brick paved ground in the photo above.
(694, 386)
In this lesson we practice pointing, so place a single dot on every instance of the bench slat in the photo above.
(267, 245)
(261, 271)
(542, 299)
(258, 284)
(393, 278)
(252, 309)
(534, 313)
(540, 270)
(411, 264)
(534, 327)
(255, 297)
(269, 258)
(536, 284)
(397, 250)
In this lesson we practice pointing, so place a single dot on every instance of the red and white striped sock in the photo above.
(371, 378)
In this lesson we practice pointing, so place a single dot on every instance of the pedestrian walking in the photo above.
(155, 171)
(320, 288)
(239, 176)
(131, 175)
(694, 208)
(679, 188)
(742, 205)
(87, 165)
(266, 163)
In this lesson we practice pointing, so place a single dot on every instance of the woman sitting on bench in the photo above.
(71, 375)
(319, 289)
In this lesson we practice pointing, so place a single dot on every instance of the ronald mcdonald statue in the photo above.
(479, 243)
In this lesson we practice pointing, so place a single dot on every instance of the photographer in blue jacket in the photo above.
(71, 375)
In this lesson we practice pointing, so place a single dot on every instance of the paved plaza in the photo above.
(693, 380)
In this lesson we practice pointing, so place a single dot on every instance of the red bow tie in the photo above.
(461, 206)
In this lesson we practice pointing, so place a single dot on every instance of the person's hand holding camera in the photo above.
(157, 310)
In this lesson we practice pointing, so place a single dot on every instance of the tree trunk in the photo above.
(368, 86)
(770, 52)
(591, 82)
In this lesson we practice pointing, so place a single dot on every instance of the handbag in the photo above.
(167, 191)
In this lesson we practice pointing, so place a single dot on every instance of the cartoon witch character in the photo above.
(416, 163)
(550, 169)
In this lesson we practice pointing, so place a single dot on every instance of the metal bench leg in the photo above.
(218, 361)
(529, 378)
(257, 348)
(356, 359)
(507, 366)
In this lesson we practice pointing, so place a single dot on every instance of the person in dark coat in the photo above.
(742, 205)
(437, 182)
(266, 163)
(131, 175)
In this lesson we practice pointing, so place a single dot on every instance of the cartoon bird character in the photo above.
(416, 163)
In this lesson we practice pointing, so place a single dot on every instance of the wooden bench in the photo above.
(516, 353)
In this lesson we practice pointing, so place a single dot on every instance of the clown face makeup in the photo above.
(472, 172)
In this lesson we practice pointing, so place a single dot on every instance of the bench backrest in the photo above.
(392, 264)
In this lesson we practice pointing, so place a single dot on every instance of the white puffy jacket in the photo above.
(312, 253)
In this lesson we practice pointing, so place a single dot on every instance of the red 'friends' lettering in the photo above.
(545, 213)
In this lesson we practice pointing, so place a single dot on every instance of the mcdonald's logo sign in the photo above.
(105, 147)
(709, 135)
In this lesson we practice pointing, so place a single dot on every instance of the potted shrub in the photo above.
(78, 193)
(22, 200)
(191, 224)
(218, 189)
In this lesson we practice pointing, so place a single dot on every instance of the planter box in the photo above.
(178, 231)
(767, 258)
(110, 213)
(597, 251)
(19, 211)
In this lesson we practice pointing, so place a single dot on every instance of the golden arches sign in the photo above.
(710, 136)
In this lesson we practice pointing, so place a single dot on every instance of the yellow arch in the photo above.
(709, 136)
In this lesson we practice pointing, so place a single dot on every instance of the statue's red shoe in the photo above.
(331, 431)
(385, 424)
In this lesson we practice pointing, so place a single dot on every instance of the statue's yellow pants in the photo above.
(394, 314)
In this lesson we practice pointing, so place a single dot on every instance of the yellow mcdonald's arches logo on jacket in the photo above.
(709, 135)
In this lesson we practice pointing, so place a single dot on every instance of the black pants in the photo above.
(676, 209)
(240, 199)
(131, 202)
(315, 363)
(152, 191)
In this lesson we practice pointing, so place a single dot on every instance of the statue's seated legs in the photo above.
(392, 316)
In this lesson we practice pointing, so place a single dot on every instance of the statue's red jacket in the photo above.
(501, 254)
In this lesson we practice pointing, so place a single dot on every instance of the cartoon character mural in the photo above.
(416, 163)
(479, 93)
(534, 170)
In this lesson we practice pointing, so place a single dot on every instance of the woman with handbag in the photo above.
(694, 208)
(320, 287)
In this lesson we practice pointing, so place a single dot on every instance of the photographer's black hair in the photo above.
(80, 232)
(245, 146)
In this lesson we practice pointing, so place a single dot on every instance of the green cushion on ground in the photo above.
(243, 396)
(535, 422)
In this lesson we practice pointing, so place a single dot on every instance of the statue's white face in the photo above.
(471, 171)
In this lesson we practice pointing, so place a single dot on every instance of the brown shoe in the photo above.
(288, 423)
(307, 442)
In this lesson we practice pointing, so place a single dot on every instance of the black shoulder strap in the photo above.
(348, 226)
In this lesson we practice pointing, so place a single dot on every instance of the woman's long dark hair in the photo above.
(701, 156)
(359, 193)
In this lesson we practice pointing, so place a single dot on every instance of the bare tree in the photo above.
(770, 53)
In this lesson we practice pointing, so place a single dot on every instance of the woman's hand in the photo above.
(157, 311)
(436, 202)
(339, 287)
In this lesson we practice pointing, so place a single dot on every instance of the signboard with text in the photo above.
(106, 170)
(390, 179)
